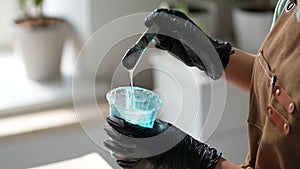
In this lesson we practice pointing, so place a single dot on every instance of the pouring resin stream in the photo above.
(134, 104)
(131, 94)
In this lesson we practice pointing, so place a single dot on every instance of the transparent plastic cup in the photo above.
(135, 105)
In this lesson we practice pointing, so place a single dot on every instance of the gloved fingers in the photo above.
(165, 137)
(193, 59)
(174, 25)
(137, 131)
(167, 42)
(112, 133)
(154, 16)
(150, 19)
(172, 22)
(137, 164)
(179, 50)
(119, 149)
(134, 130)
(183, 54)
(124, 127)
(127, 163)
(177, 32)
(126, 141)
(118, 137)
(162, 42)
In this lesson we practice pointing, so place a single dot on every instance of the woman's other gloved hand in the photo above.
(180, 36)
(134, 144)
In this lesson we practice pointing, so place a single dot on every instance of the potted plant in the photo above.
(39, 40)
(251, 22)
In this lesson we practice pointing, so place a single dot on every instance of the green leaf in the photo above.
(38, 2)
(22, 2)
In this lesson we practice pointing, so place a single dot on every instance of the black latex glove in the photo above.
(173, 148)
(183, 38)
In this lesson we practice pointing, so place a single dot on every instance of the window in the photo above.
(8, 12)
(17, 93)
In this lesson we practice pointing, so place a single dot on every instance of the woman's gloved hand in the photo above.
(180, 36)
(163, 146)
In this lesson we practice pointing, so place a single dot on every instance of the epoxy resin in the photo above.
(139, 107)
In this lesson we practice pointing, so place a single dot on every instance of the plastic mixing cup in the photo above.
(135, 105)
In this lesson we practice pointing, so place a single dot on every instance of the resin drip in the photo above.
(131, 79)
(131, 94)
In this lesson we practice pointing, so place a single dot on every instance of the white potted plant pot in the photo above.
(39, 40)
(41, 50)
(251, 27)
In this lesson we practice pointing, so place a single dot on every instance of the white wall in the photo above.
(87, 16)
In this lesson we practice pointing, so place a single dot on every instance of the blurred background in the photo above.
(40, 42)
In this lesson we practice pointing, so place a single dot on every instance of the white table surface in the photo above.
(89, 161)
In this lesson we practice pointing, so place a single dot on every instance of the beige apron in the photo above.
(274, 117)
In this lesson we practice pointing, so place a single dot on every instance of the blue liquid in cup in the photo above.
(138, 106)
